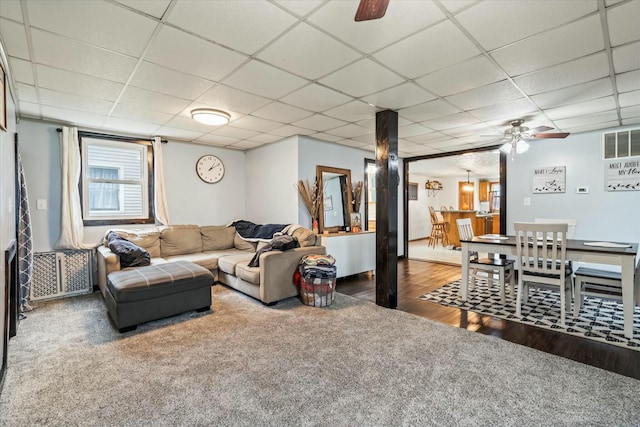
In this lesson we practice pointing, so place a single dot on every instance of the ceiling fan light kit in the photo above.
(211, 117)
(518, 135)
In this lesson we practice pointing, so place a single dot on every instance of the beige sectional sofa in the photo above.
(222, 251)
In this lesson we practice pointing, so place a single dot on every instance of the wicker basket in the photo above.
(317, 292)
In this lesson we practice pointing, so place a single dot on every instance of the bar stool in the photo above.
(438, 229)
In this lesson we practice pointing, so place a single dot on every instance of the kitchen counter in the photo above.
(482, 223)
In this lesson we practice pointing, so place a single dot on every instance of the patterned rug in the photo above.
(599, 319)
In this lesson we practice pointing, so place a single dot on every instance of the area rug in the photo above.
(599, 319)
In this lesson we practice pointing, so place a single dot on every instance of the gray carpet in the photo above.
(352, 363)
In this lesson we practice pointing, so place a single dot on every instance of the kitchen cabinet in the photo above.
(484, 187)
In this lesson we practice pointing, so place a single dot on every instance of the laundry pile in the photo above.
(316, 277)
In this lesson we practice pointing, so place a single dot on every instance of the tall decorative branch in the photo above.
(356, 196)
(310, 197)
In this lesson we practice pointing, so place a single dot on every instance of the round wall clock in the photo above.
(210, 169)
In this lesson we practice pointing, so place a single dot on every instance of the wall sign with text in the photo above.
(623, 174)
(550, 179)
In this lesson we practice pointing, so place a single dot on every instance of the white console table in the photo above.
(354, 252)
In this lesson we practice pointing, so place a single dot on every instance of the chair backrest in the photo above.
(451, 208)
(541, 249)
(571, 232)
(443, 208)
(432, 215)
(465, 230)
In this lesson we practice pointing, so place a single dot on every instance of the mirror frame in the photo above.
(346, 199)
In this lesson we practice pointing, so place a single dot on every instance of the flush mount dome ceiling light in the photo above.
(209, 116)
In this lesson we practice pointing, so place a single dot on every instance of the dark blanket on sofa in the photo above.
(257, 232)
(279, 243)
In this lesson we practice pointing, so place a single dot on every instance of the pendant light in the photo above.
(468, 186)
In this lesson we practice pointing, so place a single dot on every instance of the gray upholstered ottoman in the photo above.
(141, 294)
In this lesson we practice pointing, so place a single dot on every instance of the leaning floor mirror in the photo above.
(335, 204)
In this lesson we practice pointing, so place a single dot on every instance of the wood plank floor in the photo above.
(419, 277)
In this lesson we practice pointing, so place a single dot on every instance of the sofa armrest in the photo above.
(107, 263)
(277, 269)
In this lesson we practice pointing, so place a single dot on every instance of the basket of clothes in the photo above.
(316, 279)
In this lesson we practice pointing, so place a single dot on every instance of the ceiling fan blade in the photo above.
(371, 9)
(540, 129)
(549, 135)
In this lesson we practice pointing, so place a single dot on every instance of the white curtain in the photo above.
(71, 227)
(159, 197)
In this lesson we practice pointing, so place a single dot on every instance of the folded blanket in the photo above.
(279, 243)
(258, 232)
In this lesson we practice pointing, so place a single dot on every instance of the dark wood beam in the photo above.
(387, 208)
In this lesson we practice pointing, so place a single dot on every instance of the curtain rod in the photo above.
(126, 138)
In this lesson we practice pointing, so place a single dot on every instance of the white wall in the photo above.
(419, 220)
(600, 214)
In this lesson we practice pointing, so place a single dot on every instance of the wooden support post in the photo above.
(387, 208)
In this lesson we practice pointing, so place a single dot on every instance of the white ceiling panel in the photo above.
(582, 108)
(141, 115)
(401, 19)
(466, 75)
(264, 138)
(552, 47)
(319, 123)
(219, 140)
(587, 119)
(11, 10)
(402, 96)
(153, 100)
(181, 134)
(629, 99)
(328, 137)
(455, 6)
(427, 51)
(578, 93)
(628, 81)
(97, 23)
(29, 109)
(288, 130)
(244, 145)
(73, 117)
(428, 138)
(159, 79)
(348, 131)
(626, 58)
(184, 122)
(308, 52)
(15, 38)
(227, 98)
(449, 122)
(571, 73)
(256, 124)
(284, 113)
(486, 95)
(629, 112)
(27, 93)
(594, 126)
(412, 130)
(155, 8)
(181, 51)
(352, 80)
(78, 84)
(67, 54)
(234, 132)
(498, 23)
(125, 125)
(22, 70)
(628, 122)
(300, 8)
(353, 111)
(316, 98)
(74, 102)
(264, 80)
(243, 25)
(624, 23)
(507, 110)
(428, 110)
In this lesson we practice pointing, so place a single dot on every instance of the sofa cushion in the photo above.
(243, 245)
(228, 263)
(146, 238)
(206, 260)
(131, 255)
(217, 237)
(248, 274)
(180, 240)
(305, 236)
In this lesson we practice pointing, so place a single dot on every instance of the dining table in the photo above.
(620, 254)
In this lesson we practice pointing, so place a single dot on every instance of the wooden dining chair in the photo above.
(438, 229)
(497, 270)
(541, 255)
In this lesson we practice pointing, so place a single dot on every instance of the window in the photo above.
(621, 144)
(413, 191)
(116, 185)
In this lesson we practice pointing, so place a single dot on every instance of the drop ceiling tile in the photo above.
(300, 8)
(265, 80)
(572, 94)
(428, 138)
(26, 92)
(265, 138)
(401, 19)
(629, 81)
(412, 130)
(352, 112)
(629, 121)
(316, 98)
(11, 10)
(609, 3)
(153, 101)
(571, 73)
(21, 70)
(355, 144)
(282, 113)
(140, 114)
(552, 47)
(427, 53)
(187, 123)
(351, 79)
(626, 58)
(76, 83)
(629, 112)
(474, 130)
(120, 124)
(227, 98)
(450, 145)
(594, 126)
(99, 24)
(256, 124)
(218, 140)
(629, 99)
(232, 132)
(487, 95)
(348, 131)
(506, 110)
(243, 25)
(155, 8)
(186, 112)
(454, 6)
(72, 117)
(28, 109)
(327, 137)
(587, 119)
(163, 80)
(245, 145)
(624, 23)
(288, 130)
(428, 110)
(14, 39)
(449, 122)
(319, 123)
(67, 54)
(307, 52)
(180, 134)
(192, 55)
(74, 102)
(368, 138)
(466, 75)
(498, 23)
(582, 108)
(402, 96)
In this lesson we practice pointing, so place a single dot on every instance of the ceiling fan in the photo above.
(517, 136)
(371, 9)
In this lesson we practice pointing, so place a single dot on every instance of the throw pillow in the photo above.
(131, 255)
